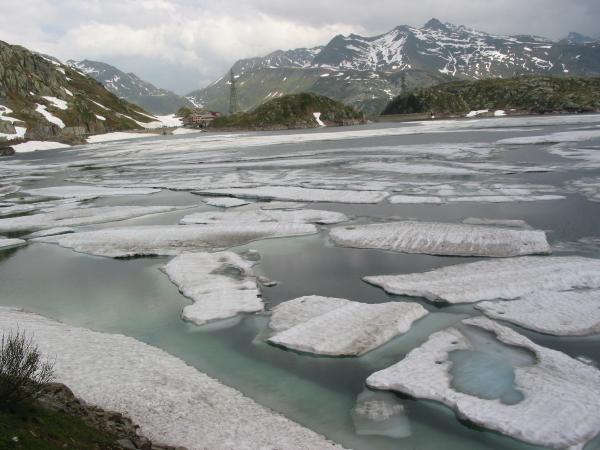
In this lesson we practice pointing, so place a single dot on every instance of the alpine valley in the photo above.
(367, 72)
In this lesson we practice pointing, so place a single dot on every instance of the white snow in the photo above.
(570, 313)
(224, 202)
(345, 329)
(438, 238)
(561, 394)
(100, 118)
(499, 113)
(87, 192)
(173, 239)
(49, 117)
(302, 309)
(100, 105)
(50, 232)
(33, 146)
(515, 223)
(477, 112)
(68, 92)
(221, 285)
(293, 193)
(79, 216)
(116, 136)
(505, 279)
(588, 187)
(172, 402)
(317, 116)
(554, 138)
(6, 244)
(412, 168)
(264, 216)
(57, 102)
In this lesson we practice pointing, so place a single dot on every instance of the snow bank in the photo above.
(173, 239)
(49, 116)
(33, 146)
(300, 194)
(344, 329)
(437, 238)
(477, 112)
(561, 394)
(172, 402)
(558, 313)
(116, 136)
(317, 116)
(57, 102)
(221, 285)
(505, 279)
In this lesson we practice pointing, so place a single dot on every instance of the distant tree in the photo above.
(23, 371)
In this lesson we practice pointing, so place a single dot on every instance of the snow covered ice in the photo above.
(560, 395)
(505, 279)
(173, 239)
(221, 285)
(565, 313)
(6, 244)
(345, 328)
(262, 216)
(171, 401)
(442, 239)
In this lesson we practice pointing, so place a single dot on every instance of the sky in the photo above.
(184, 45)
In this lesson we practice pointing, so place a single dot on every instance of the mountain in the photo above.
(41, 98)
(366, 72)
(537, 94)
(130, 87)
(303, 110)
(576, 38)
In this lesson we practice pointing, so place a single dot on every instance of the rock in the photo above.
(126, 444)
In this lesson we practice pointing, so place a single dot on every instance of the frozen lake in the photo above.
(542, 171)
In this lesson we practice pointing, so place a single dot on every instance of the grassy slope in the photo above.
(536, 94)
(291, 111)
(38, 428)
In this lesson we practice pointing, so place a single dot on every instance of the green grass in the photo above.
(38, 428)
(533, 94)
(291, 111)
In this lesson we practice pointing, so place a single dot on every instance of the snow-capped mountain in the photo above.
(371, 68)
(131, 87)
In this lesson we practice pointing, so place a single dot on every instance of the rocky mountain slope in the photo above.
(130, 87)
(366, 72)
(292, 111)
(527, 94)
(41, 98)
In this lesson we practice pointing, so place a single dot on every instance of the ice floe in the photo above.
(224, 202)
(336, 328)
(221, 284)
(50, 232)
(557, 396)
(512, 223)
(380, 413)
(87, 192)
(173, 239)
(570, 313)
(14, 210)
(282, 205)
(6, 244)
(412, 168)
(300, 194)
(173, 403)
(505, 279)
(117, 136)
(438, 238)
(553, 138)
(259, 216)
(588, 187)
(79, 216)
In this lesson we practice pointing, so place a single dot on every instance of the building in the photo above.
(200, 118)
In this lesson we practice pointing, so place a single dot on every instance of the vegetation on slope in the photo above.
(291, 111)
(527, 94)
(27, 77)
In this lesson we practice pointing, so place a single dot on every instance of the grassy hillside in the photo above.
(292, 111)
(531, 94)
(27, 77)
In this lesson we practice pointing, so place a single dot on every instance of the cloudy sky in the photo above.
(185, 44)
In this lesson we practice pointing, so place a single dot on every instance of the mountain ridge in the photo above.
(372, 65)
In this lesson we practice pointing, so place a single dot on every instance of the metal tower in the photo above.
(233, 99)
